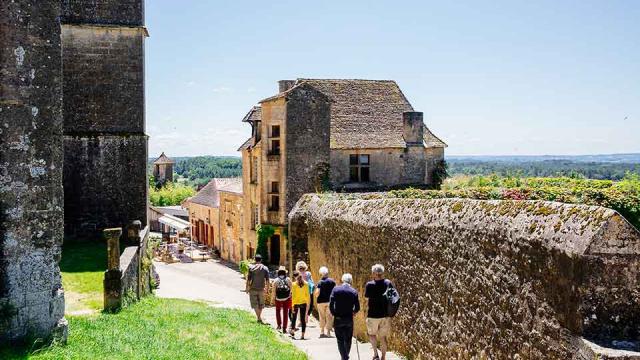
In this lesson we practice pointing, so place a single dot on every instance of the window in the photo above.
(274, 196)
(275, 147)
(254, 216)
(274, 202)
(275, 131)
(359, 168)
(254, 169)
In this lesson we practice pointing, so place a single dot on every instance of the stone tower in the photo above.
(31, 199)
(105, 146)
(163, 170)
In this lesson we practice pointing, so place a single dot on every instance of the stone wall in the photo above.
(105, 146)
(485, 279)
(105, 181)
(307, 143)
(31, 295)
(110, 12)
(129, 275)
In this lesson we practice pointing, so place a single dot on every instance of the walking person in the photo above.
(323, 294)
(378, 320)
(282, 298)
(302, 268)
(257, 286)
(300, 299)
(343, 305)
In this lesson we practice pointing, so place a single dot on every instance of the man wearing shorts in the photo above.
(257, 284)
(378, 321)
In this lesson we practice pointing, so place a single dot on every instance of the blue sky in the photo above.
(492, 77)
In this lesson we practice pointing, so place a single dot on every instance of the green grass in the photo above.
(82, 266)
(157, 328)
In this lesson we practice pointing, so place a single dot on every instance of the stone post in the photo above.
(113, 275)
(133, 238)
(133, 232)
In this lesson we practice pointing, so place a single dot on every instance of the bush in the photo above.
(622, 196)
(170, 194)
(244, 267)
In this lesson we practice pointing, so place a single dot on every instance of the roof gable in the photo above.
(364, 113)
(163, 159)
(209, 195)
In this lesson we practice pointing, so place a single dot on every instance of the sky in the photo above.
(492, 77)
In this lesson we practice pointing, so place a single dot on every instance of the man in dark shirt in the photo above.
(343, 304)
(378, 321)
(323, 291)
(257, 285)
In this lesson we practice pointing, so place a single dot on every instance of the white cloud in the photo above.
(222, 89)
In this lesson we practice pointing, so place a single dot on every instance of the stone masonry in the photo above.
(486, 279)
(92, 52)
(105, 146)
(31, 194)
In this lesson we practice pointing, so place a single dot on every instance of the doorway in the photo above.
(274, 256)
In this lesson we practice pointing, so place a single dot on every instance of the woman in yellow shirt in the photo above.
(300, 299)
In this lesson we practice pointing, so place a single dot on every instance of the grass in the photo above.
(82, 266)
(157, 328)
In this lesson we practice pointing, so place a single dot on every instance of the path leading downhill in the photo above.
(214, 282)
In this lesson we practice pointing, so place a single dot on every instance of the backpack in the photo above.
(392, 299)
(283, 290)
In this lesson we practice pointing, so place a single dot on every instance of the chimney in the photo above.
(413, 127)
(284, 85)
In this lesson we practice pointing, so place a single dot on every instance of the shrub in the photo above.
(170, 194)
(622, 196)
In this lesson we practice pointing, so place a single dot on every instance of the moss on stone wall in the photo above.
(484, 279)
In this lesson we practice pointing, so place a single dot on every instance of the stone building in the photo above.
(163, 170)
(346, 135)
(105, 145)
(216, 217)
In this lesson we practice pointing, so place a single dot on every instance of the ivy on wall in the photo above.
(264, 232)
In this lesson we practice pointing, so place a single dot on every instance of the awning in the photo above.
(174, 222)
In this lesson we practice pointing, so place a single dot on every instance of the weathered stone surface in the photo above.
(106, 182)
(495, 279)
(307, 143)
(118, 12)
(105, 145)
(31, 296)
(103, 71)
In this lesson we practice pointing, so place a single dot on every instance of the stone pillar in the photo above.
(31, 196)
(113, 275)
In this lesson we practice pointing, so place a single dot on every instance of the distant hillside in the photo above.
(611, 167)
(610, 158)
(199, 170)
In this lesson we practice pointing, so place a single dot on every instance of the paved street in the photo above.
(222, 286)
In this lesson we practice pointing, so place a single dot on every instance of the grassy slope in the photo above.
(82, 266)
(169, 329)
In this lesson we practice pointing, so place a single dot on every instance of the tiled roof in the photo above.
(209, 195)
(171, 210)
(364, 113)
(432, 141)
(233, 185)
(246, 144)
(163, 159)
(255, 114)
